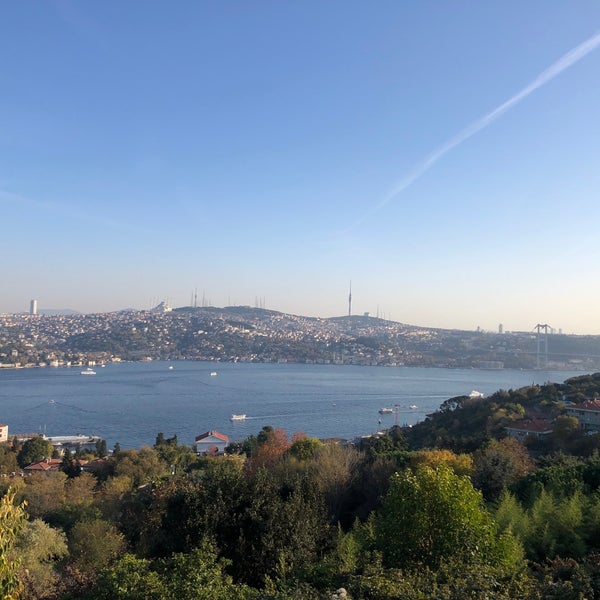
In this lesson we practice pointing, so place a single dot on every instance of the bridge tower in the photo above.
(542, 345)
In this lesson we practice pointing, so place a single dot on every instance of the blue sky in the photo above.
(278, 150)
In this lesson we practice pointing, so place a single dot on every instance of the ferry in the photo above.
(88, 371)
(237, 418)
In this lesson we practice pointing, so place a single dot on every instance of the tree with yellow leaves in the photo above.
(12, 518)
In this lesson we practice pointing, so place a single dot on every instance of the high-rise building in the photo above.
(33, 307)
(500, 329)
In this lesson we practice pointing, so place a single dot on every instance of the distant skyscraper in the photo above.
(33, 307)
(500, 329)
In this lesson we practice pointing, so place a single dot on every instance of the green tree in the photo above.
(565, 432)
(511, 516)
(207, 503)
(142, 465)
(199, 575)
(335, 472)
(40, 548)
(556, 527)
(70, 466)
(281, 531)
(78, 504)
(12, 519)
(8, 459)
(93, 546)
(305, 448)
(431, 515)
(34, 450)
(130, 578)
(499, 465)
(45, 493)
(101, 448)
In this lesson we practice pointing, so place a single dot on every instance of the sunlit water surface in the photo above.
(130, 403)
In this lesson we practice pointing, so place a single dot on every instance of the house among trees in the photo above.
(537, 428)
(43, 466)
(3, 433)
(94, 466)
(588, 414)
(211, 443)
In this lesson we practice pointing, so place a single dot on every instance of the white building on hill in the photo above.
(211, 443)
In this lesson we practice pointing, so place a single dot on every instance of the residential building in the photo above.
(211, 443)
(588, 414)
(521, 430)
(48, 464)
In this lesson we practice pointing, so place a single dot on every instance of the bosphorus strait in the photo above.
(130, 403)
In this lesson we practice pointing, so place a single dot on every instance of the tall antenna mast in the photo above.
(350, 300)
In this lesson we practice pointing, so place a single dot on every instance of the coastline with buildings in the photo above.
(245, 334)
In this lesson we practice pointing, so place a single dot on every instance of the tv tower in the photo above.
(350, 300)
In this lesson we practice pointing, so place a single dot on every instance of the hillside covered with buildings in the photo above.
(259, 335)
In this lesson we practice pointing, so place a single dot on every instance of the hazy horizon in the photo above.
(442, 157)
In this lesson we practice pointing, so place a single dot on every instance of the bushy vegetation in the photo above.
(450, 509)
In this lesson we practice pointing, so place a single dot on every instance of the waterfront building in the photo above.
(73, 442)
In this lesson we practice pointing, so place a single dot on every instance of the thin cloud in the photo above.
(563, 63)
(65, 211)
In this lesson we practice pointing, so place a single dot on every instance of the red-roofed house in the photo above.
(521, 430)
(211, 443)
(588, 414)
(3, 433)
(48, 464)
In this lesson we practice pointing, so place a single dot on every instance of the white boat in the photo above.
(88, 371)
(213, 373)
(386, 411)
(413, 407)
(170, 367)
(237, 418)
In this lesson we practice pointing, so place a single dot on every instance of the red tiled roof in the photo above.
(50, 464)
(591, 405)
(92, 465)
(537, 426)
(212, 433)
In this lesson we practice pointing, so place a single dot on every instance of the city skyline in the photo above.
(441, 157)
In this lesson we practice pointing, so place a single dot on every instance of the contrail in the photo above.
(563, 63)
(7, 197)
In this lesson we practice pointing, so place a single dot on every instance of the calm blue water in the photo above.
(130, 403)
